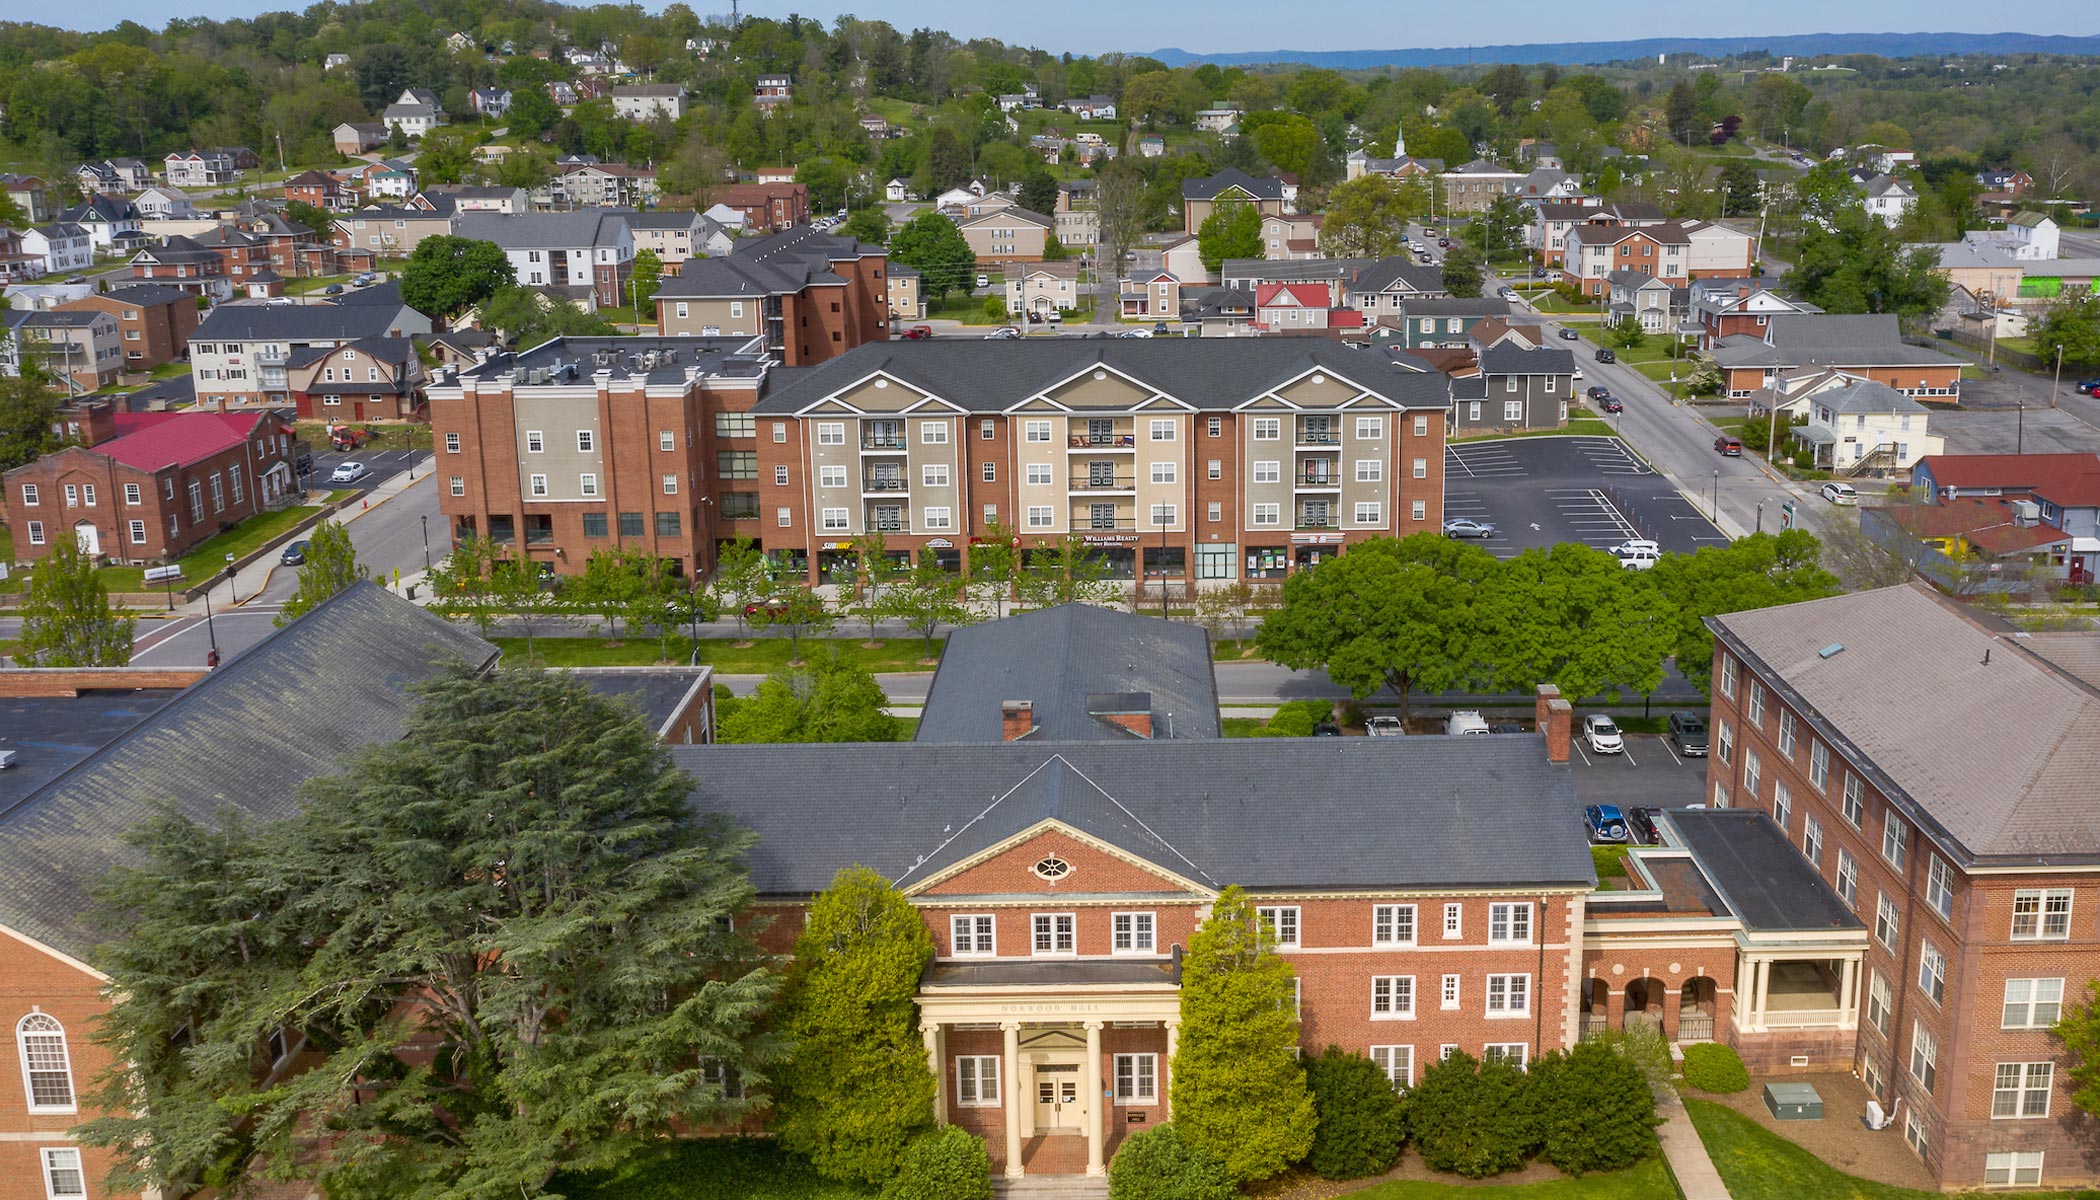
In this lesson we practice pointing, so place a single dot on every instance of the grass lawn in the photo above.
(1241, 727)
(313, 283)
(710, 1169)
(1652, 349)
(171, 370)
(1549, 301)
(762, 657)
(1610, 861)
(957, 306)
(1660, 371)
(1758, 1164)
(404, 436)
(1577, 426)
(209, 557)
(1649, 1180)
(907, 727)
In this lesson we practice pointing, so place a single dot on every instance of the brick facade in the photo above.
(152, 328)
(34, 979)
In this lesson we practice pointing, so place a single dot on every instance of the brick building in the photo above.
(1937, 768)
(371, 379)
(811, 296)
(767, 207)
(149, 486)
(154, 323)
(1867, 345)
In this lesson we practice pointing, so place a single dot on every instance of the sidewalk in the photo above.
(1686, 1154)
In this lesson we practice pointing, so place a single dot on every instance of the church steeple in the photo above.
(1400, 142)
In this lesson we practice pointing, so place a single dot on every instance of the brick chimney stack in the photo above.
(1556, 719)
(1017, 720)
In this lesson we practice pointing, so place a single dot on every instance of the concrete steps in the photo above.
(1050, 1187)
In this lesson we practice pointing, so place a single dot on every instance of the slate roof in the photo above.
(1210, 374)
(1284, 813)
(294, 322)
(545, 230)
(244, 737)
(1293, 270)
(147, 295)
(1269, 188)
(1913, 699)
(1057, 658)
(1506, 359)
(659, 694)
(1456, 306)
(1758, 874)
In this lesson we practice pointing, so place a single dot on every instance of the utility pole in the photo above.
(2057, 387)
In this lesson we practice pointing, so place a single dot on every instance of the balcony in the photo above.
(888, 525)
(1318, 435)
(1090, 524)
(1316, 522)
(271, 358)
(884, 483)
(1321, 475)
(1103, 441)
(1104, 483)
(883, 441)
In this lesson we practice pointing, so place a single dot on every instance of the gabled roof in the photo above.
(1481, 166)
(294, 322)
(545, 231)
(1395, 273)
(1269, 188)
(1009, 213)
(2067, 479)
(182, 438)
(1864, 396)
(148, 295)
(1507, 359)
(1987, 524)
(1300, 295)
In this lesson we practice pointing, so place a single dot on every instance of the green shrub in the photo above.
(1610, 862)
(1155, 1164)
(1471, 1118)
(1712, 1067)
(1297, 718)
(995, 306)
(947, 1165)
(1596, 1112)
(1362, 1121)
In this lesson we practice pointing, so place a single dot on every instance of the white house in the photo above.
(1889, 198)
(1717, 249)
(493, 103)
(390, 177)
(586, 253)
(335, 62)
(643, 101)
(1039, 288)
(165, 204)
(415, 113)
(896, 191)
(1865, 427)
(2031, 235)
(64, 246)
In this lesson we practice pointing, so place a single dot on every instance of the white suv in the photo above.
(1602, 734)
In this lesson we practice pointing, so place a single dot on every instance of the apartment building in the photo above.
(810, 295)
(1174, 460)
(675, 236)
(154, 323)
(1201, 197)
(81, 349)
(766, 207)
(185, 264)
(647, 101)
(371, 379)
(1936, 767)
(582, 254)
(208, 169)
(241, 353)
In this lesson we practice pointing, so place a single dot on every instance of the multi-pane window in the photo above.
(1924, 1055)
(1370, 427)
(934, 475)
(131, 493)
(1454, 920)
(1369, 512)
(831, 477)
(735, 424)
(1398, 1063)
(1392, 996)
(991, 472)
(667, 524)
(1728, 676)
(1370, 470)
(1914, 1133)
(1267, 471)
(1782, 803)
(1164, 514)
(1516, 1054)
(2021, 1091)
(1886, 924)
(1450, 999)
(1393, 925)
(138, 533)
(1053, 933)
(1879, 997)
(587, 484)
(451, 443)
(630, 524)
(1509, 922)
(835, 520)
(2032, 1003)
(1855, 801)
(1508, 995)
(1786, 734)
(1039, 516)
(64, 1176)
(2012, 1168)
(2041, 915)
(584, 440)
(535, 441)
(594, 524)
(538, 484)
(977, 1080)
(1753, 767)
(938, 517)
(1283, 922)
(1035, 431)
(833, 433)
(736, 464)
(971, 934)
(1161, 430)
(670, 484)
(1137, 1079)
(1754, 709)
(933, 433)
(1818, 764)
(1724, 743)
(1812, 839)
(666, 440)
(1932, 972)
(1165, 472)
(1895, 835)
(1939, 886)
(1268, 429)
(1134, 933)
(47, 1069)
(1215, 426)
(1038, 473)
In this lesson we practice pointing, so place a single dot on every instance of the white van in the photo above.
(1463, 724)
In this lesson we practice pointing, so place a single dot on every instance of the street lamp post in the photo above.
(169, 580)
(426, 543)
(1715, 504)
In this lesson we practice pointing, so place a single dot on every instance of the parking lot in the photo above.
(381, 464)
(1543, 491)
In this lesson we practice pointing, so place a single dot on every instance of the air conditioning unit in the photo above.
(2026, 512)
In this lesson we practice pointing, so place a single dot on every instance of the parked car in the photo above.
(1135, 333)
(1639, 560)
(1326, 729)
(1569, 335)
(333, 289)
(1840, 493)
(1507, 293)
(1688, 733)
(1610, 403)
(1384, 727)
(1598, 393)
(1607, 354)
(765, 610)
(1605, 822)
(1640, 822)
(984, 281)
(1602, 734)
(349, 472)
(1444, 243)
(1004, 333)
(1631, 545)
(1732, 447)
(2090, 387)
(294, 554)
(1466, 527)
(917, 333)
(1159, 329)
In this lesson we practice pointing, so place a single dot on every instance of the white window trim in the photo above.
(1451, 996)
(1151, 931)
(982, 1066)
(1414, 929)
(1397, 984)
(1296, 921)
(46, 1156)
(1513, 909)
(1116, 1080)
(65, 1048)
(954, 940)
(1053, 918)
(1505, 1013)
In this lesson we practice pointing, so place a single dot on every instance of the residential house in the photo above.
(1387, 285)
(1037, 289)
(1077, 229)
(390, 231)
(587, 253)
(765, 207)
(80, 349)
(165, 203)
(112, 222)
(240, 353)
(1151, 145)
(1723, 307)
(906, 301)
(457, 42)
(1973, 547)
(1217, 120)
(2064, 489)
(1550, 185)
(48, 293)
(490, 104)
(875, 127)
(149, 487)
(114, 175)
(415, 112)
(64, 246)
(1008, 236)
(335, 62)
(674, 235)
(1655, 304)
(1184, 258)
(211, 170)
(1150, 296)
(1290, 235)
(772, 91)
(321, 190)
(1332, 274)
(29, 194)
(466, 198)
(1199, 197)
(184, 263)
(1092, 108)
(1517, 387)
(1547, 233)
(1867, 428)
(371, 379)
(1889, 197)
(599, 185)
(896, 191)
(353, 138)
(1867, 345)
(2010, 183)
(1290, 307)
(16, 264)
(564, 94)
(1538, 154)
(1446, 320)
(648, 101)
(458, 347)
(154, 323)
(2033, 235)
(807, 296)
(1219, 312)
(1470, 188)
(390, 179)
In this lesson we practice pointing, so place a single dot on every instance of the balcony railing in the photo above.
(1082, 441)
(1111, 483)
(1319, 437)
(1695, 1027)
(883, 483)
(1320, 479)
(889, 525)
(1802, 1018)
(1104, 524)
(882, 441)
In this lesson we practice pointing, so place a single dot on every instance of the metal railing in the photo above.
(897, 525)
(1103, 482)
(1118, 441)
(1321, 479)
(1318, 523)
(882, 441)
(883, 483)
(1695, 1027)
(1319, 437)
(1104, 524)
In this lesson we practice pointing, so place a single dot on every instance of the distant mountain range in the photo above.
(1888, 45)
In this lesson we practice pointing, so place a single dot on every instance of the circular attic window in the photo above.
(1052, 867)
(882, 383)
(1100, 374)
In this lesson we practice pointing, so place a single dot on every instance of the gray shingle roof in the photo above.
(1455, 306)
(1264, 813)
(294, 322)
(244, 737)
(146, 294)
(1867, 396)
(545, 231)
(1057, 658)
(1763, 880)
(1398, 270)
(1504, 358)
(1212, 373)
(1269, 188)
(1997, 757)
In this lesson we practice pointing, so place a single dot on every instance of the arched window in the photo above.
(46, 1068)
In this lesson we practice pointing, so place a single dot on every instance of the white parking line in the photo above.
(1585, 757)
(1628, 751)
(1672, 753)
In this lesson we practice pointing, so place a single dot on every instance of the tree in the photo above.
(1462, 270)
(1626, 332)
(926, 598)
(827, 700)
(620, 584)
(445, 155)
(1232, 230)
(1570, 615)
(1858, 265)
(1391, 613)
(1119, 198)
(532, 113)
(799, 611)
(1741, 190)
(1238, 1090)
(528, 317)
(1681, 112)
(1160, 1164)
(1498, 231)
(1362, 1123)
(462, 584)
(947, 162)
(1367, 217)
(66, 618)
(28, 413)
(2070, 324)
(994, 560)
(446, 274)
(648, 276)
(1066, 571)
(331, 566)
(740, 578)
(869, 224)
(856, 1090)
(320, 220)
(1763, 570)
(1596, 1110)
(1473, 1119)
(933, 244)
(467, 1039)
(1039, 191)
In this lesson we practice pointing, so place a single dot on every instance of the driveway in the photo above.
(1544, 491)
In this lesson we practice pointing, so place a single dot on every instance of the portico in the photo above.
(1030, 1053)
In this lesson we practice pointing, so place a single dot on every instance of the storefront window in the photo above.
(1215, 562)
(1171, 561)
(1268, 562)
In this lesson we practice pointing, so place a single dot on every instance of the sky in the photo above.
(1218, 26)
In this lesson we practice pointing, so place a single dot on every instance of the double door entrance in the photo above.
(1060, 1100)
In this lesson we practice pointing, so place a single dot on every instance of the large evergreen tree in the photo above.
(504, 941)
(66, 618)
(856, 1089)
(1238, 1089)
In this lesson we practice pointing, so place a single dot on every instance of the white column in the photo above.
(1848, 995)
(935, 1062)
(1166, 1074)
(1764, 989)
(1739, 1001)
(1097, 1104)
(1010, 1091)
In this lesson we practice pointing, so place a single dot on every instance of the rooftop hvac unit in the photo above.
(2026, 512)
(651, 358)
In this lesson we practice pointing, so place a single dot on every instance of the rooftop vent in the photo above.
(1831, 651)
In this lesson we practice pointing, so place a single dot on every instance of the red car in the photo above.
(917, 333)
(1732, 447)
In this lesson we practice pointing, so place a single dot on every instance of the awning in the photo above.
(1821, 435)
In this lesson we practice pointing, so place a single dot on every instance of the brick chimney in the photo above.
(1556, 719)
(1017, 720)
